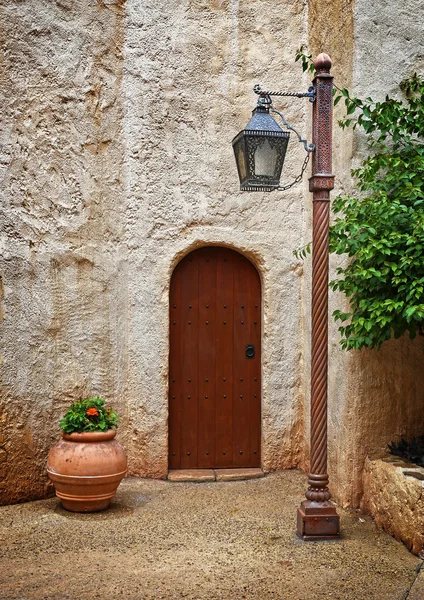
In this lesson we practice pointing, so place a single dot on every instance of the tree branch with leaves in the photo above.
(380, 226)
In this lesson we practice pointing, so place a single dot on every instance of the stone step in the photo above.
(237, 474)
(197, 475)
(202, 475)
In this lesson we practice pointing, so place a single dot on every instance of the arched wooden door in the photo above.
(215, 362)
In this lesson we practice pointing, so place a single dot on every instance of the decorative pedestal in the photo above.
(317, 521)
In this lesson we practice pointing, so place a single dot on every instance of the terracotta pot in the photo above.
(86, 469)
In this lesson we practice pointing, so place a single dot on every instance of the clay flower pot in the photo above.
(86, 469)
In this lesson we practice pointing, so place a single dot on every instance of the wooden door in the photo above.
(215, 362)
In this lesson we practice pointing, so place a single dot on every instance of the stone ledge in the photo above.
(203, 475)
(417, 589)
(393, 496)
(195, 475)
(238, 474)
(415, 474)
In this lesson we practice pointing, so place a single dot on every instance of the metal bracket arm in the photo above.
(311, 93)
(308, 148)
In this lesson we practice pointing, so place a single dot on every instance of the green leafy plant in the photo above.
(89, 414)
(412, 451)
(303, 251)
(381, 226)
(306, 59)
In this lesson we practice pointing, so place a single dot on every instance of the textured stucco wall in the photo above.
(377, 395)
(374, 396)
(188, 74)
(116, 161)
(62, 263)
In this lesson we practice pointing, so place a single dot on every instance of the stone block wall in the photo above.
(393, 495)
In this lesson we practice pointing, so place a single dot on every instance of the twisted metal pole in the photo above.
(317, 518)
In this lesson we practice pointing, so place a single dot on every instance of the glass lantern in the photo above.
(259, 151)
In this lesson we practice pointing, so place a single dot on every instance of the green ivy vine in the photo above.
(381, 225)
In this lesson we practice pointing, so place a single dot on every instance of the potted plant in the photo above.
(87, 464)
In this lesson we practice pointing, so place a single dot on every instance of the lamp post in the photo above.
(317, 518)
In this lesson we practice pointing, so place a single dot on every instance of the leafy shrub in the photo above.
(412, 451)
(380, 227)
(89, 414)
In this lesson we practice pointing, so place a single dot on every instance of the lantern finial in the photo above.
(322, 63)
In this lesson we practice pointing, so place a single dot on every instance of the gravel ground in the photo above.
(208, 541)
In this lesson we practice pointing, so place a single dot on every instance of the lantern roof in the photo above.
(262, 121)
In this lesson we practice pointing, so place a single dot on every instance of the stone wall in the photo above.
(62, 262)
(393, 495)
(116, 161)
(374, 396)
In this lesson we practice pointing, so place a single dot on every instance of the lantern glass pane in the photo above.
(265, 159)
(241, 161)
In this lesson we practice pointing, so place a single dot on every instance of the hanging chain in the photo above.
(298, 178)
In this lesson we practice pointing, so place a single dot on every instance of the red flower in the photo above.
(92, 412)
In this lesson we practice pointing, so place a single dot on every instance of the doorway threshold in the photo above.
(206, 475)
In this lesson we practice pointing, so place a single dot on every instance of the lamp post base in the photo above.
(317, 521)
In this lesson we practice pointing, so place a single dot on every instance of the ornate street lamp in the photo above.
(259, 152)
(260, 149)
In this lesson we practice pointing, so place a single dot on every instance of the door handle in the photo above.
(250, 351)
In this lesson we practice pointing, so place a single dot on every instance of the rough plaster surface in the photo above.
(188, 74)
(395, 500)
(375, 396)
(116, 161)
(64, 273)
